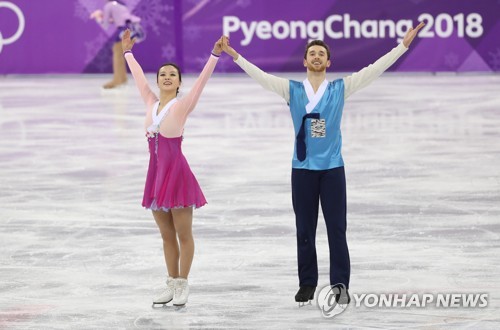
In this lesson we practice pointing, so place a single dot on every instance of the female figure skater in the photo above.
(117, 13)
(171, 190)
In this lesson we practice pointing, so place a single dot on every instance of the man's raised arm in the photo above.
(280, 86)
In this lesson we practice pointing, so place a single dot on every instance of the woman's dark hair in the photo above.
(170, 64)
(317, 43)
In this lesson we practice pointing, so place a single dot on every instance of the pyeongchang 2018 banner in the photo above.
(460, 35)
(45, 36)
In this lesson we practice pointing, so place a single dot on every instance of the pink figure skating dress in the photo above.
(170, 183)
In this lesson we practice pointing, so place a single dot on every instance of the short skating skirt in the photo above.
(170, 183)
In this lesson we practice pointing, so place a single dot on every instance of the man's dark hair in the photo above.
(317, 43)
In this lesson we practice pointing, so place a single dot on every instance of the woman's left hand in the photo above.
(218, 47)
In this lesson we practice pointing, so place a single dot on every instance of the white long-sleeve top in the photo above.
(352, 83)
(173, 125)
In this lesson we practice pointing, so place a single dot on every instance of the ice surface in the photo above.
(422, 157)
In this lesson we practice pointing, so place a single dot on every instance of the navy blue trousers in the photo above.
(308, 188)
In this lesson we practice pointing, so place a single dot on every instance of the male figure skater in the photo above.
(316, 107)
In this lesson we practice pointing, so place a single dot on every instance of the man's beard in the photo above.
(314, 68)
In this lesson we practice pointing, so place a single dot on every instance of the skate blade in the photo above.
(179, 305)
(160, 305)
(303, 303)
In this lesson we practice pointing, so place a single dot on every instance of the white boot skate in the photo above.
(167, 294)
(181, 291)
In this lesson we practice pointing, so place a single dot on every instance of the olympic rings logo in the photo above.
(20, 29)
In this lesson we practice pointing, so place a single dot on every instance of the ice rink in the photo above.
(78, 251)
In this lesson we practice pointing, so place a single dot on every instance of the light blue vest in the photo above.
(323, 153)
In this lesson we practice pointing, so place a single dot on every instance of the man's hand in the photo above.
(411, 34)
(228, 49)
